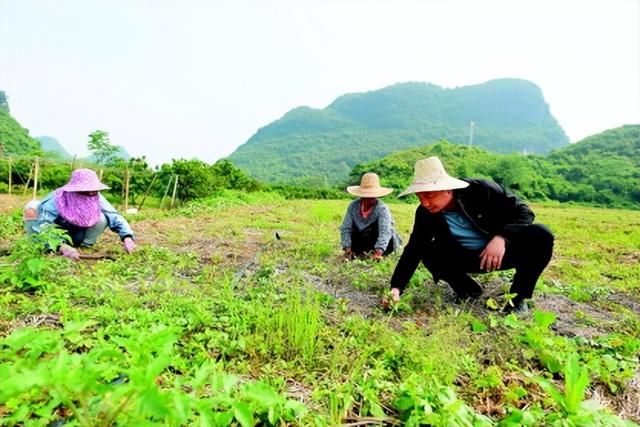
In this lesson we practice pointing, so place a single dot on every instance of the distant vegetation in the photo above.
(4, 105)
(603, 169)
(320, 147)
(52, 146)
(103, 151)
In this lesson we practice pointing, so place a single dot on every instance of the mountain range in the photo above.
(321, 146)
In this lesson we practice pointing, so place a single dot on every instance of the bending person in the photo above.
(471, 226)
(368, 225)
(81, 211)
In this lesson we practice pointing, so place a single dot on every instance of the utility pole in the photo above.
(471, 124)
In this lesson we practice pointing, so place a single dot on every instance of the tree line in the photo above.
(602, 170)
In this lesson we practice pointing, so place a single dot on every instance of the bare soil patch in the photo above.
(183, 235)
(10, 202)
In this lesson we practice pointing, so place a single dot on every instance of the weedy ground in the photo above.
(238, 310)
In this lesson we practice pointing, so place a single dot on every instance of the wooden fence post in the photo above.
(26, 187)
(10, 175)
(166, 191)
(175, 187)
(146, 193)
(126, 189)
(36, 172)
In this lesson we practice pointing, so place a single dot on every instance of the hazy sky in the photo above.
(183, 79)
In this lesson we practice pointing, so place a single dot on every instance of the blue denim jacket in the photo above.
(48, 214)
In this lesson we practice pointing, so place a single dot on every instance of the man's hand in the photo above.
(348, 254)
(395, 298)
(491, 256)
(129, 245)
(377, 255)
(69, 252)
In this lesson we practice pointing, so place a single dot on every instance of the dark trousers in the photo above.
(364, 240)
(528, 250)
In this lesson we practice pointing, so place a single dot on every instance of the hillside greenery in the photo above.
(14, 138)
(603, 169)
(319, 147)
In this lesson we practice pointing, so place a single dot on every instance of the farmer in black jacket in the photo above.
(471, 226)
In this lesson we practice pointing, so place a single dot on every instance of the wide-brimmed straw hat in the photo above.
(430, 175)
(369, 187)
(84, 180)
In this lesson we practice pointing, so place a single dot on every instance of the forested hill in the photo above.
(52, 145)
(603, 169)
(321, 146)
(14, 138)
(622, 142)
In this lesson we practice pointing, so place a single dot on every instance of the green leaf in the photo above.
(377, 411)
(263, 394)
(576, 382)
(552, 391)
(491, 303)
(404, 403)
(544, 319)
(273, 415)
(243, 414)
(478, 326)
(223, 419)
(514, 419)
(295, 408)
(512, 321)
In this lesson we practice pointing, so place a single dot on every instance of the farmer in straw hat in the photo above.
(368, 225)
(471, 226)
(82, 211)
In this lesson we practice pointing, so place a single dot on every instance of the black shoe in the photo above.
(464, 286)
(521, 308)
(517, 307)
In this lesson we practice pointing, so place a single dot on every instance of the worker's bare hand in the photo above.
(69, 252)
(348, 254)
(128, 244)
(391, 299)
(491, 256)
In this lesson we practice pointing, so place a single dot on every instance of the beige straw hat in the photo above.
(369, 187)
(430, 175)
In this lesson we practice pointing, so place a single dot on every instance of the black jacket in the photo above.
(489, 207)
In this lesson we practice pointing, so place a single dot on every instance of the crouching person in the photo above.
(368, 226)
(471, 226)
(80, 210)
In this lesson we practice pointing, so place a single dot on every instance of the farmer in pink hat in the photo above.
(368, 226)
(471, 226)
(82, 211)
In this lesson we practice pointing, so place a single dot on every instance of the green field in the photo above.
(214, 321)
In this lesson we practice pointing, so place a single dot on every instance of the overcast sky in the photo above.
(184, 79)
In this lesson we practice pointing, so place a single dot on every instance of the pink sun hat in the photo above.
(84, 180)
